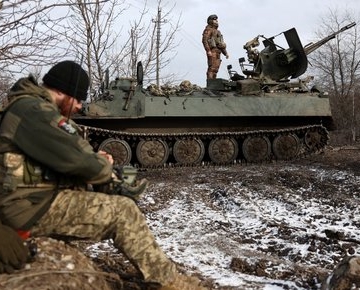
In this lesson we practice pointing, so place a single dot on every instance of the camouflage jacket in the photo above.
(40, 151)
(213, 39)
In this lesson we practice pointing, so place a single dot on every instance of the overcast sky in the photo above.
(240, 21)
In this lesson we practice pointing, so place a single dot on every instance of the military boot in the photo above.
(182, 282)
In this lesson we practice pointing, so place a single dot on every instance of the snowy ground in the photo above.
(270, 226)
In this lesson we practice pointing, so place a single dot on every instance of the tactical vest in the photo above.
(17, 171)
(216, 40)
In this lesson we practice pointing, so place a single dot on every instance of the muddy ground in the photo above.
(266, 257)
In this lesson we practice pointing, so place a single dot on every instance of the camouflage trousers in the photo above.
(99, 216)
(214, 62)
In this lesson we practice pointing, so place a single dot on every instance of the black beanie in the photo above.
(69, 78)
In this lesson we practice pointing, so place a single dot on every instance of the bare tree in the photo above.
(96, 34)
(337, 66)
(28, 35)
(152, 43)
(93, 32)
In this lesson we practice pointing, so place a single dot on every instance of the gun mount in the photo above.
(276, 64)
(255, 117)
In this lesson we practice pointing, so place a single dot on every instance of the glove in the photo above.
(124, 182)
(13, 252)
(119, 187)
(133, 190)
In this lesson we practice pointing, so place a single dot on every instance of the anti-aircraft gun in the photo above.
(255, 117)
(273, 66)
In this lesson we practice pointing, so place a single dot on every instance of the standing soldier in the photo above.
(214, 45)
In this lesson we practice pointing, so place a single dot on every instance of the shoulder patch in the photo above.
(66, 126)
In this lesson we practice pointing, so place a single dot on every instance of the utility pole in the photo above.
(158, 21)
(133, 53)
(353, 117)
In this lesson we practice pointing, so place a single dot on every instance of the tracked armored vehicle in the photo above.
(266, 113)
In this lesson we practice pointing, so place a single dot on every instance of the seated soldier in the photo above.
(46, 166)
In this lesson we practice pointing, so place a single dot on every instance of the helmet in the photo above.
(185, 85)
(211, 17)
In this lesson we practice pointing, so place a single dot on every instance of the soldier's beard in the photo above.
(67, 107)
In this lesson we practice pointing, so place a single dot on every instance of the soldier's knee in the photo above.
(125, 204)
(126, 200)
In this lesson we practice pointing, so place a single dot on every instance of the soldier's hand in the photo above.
(135, 190)
(107, 156)
(124, 182)
(227, 56)
(13, 252)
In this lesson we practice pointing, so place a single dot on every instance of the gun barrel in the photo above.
(313, 46)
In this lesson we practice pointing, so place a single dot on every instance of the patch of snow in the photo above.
(236, 221)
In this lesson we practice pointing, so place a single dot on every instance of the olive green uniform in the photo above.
(44, 167)
(213, 41)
